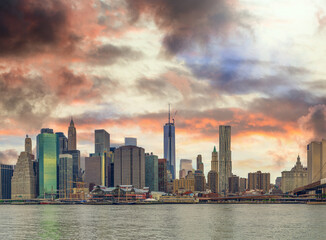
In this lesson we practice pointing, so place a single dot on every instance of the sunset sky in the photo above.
(257, 65)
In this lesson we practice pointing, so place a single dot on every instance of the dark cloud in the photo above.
(187, 22)
(9, 156)
(28, 26)
(315, 122)
(109, 54)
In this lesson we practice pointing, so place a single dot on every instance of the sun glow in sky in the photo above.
(257, 65)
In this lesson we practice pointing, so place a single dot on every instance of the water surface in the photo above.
(218, 221)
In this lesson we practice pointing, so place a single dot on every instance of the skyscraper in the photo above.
(259, 180)
(162, 175)
(316, 160)
(169, 145)
(214, 162)
(200, 181)
(6, 172)
(213, 181)
(233, 184)
(151, 171)
(72, 136)
(225, 163)
(65, 175)
(24, 179)
(62, 142)
(47, 155)
(102, 142)
(185, 167)
(200, 164)
(129, 166)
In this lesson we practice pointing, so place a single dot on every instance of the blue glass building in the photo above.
(6, 172)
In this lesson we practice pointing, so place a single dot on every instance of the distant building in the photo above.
(162, 175)
(278, 182)
(214, 162)
(129, 141)
(72, 136)
(6, 172)
(243, 184)
(102, 142)
(92, 174)
(200, 181)
(169, 146)
(316, 161)
(259, 180)
(212, 178)
(47, 155)
(234, 184)
(62, 142)
(24, 179)
(66, 173)
(225, 163)
(297, 177)
(185, 167)
(151, 172)
(183, 185)
(129, 166)
(200, 164)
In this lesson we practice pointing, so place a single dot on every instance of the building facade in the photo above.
(169, 146)
(129, 166)
(225, 163)
(6, 172)
(200, 164)
(243, 184)
(151, 172)
(24, 179)
(130, 141)
(62, 142)
(65, 175)
(259, 180)
(316, 161)
(200, 181)
(297, 177)
(92, 176)
(47, 155)
(102, 142)
(162, 175)
(72, 136)
(212, 178)
(183, 185)
(214, 162)
(234, 184)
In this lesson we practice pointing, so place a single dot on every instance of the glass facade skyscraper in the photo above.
(6, 172)
(102, 142)
(66, 174)
(47, 155)
(169, 147)
(151, 172)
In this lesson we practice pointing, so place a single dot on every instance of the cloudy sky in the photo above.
(257, 65)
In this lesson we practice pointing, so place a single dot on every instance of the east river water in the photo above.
(218, 221)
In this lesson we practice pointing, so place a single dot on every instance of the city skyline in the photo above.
(116, 65)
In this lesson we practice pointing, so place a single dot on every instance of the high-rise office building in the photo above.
(212, 178)
(200, 181)
(151, 172)
(129, 166)
(169, 145)
(65, 175)
(76, 166)
(162, 175)
(214, 162)
(259, 181)
(297, 177)
(200, 164)
(72, 136)
(225, 163)
(233, 184)
(129, 141)
(316, 161)
(24, 179)
(185, 167)
(28, 145)
(62, 142)
(243, 184)
(47, 155)
(6, 172)
(102, 142)
(92, 176)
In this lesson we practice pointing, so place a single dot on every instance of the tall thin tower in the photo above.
(169, 145)
(72, 138)
(225, 163)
